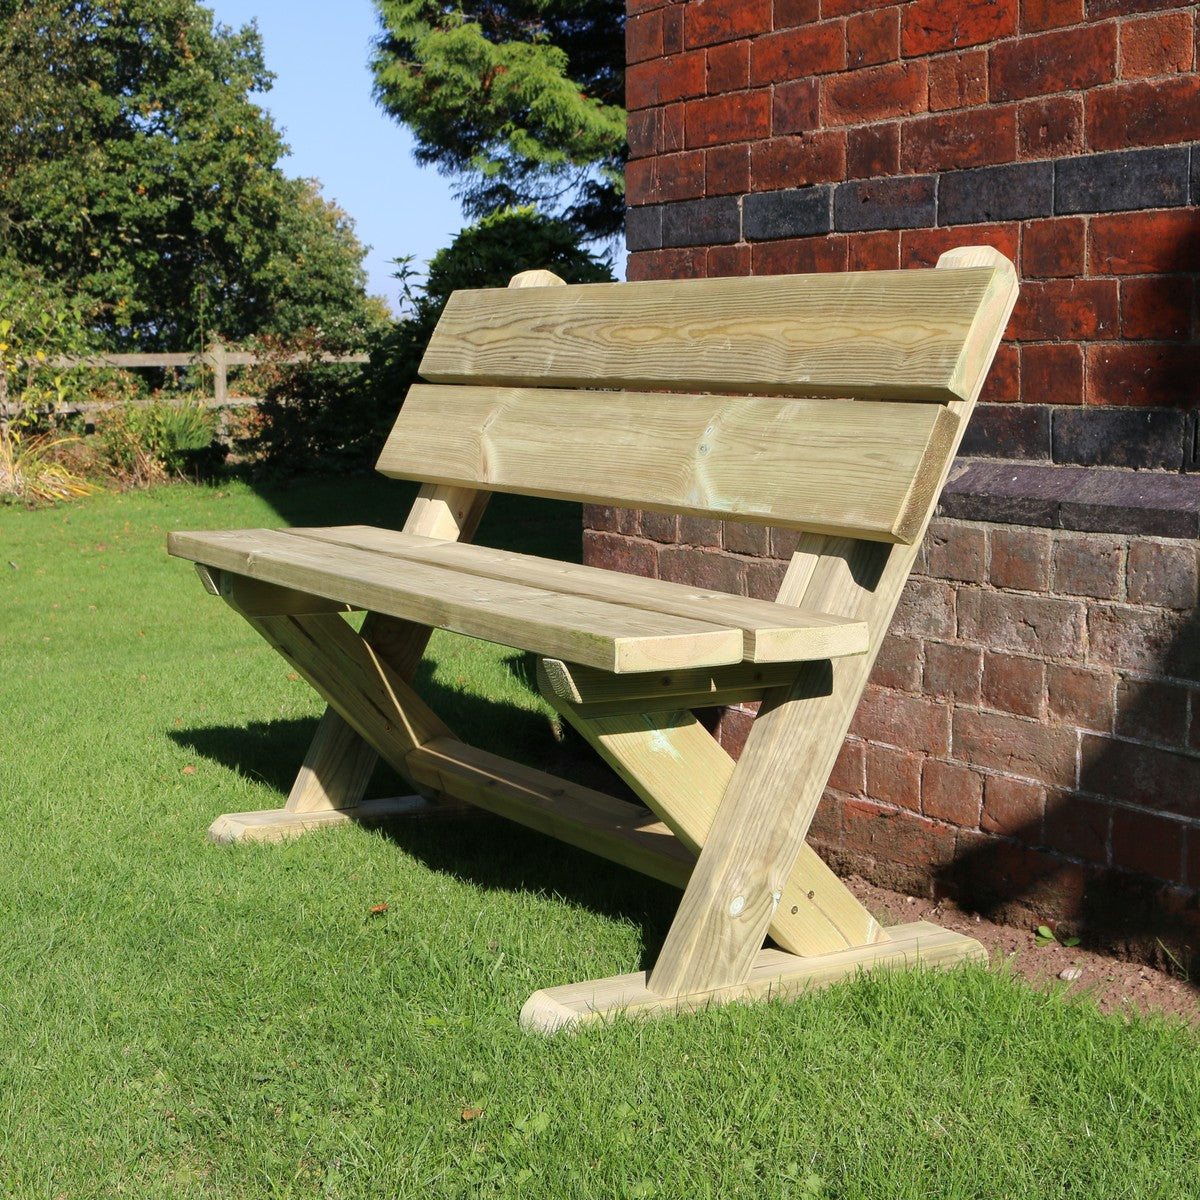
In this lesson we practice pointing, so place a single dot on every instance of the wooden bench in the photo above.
(829, 404)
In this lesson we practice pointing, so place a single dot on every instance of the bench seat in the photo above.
(587, 615)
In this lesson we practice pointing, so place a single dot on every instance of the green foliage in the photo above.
(486, 254)
(520, 101)
(145, 443)
(136, 169)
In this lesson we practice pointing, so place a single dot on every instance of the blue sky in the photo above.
(321, 100)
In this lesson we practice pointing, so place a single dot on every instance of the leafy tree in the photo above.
(520, 100)
(138, 173)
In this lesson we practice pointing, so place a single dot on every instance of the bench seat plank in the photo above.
(772, 633)
(831, 466)
(893, 334)
(587, 631)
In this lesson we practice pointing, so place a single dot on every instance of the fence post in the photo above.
(216, 355)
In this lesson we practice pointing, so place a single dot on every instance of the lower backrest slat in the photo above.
(831, 466)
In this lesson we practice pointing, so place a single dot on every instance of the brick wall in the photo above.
(1031, 738)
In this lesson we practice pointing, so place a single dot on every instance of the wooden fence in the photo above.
(217, 356)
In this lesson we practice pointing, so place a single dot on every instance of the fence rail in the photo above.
(216, 356)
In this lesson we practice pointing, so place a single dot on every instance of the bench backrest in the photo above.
(824, 402)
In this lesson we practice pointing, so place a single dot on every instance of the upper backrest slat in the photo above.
(898, 335)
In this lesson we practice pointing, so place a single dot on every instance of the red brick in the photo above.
(740, 537)
(665, 79)
(875, 93)
(911, 722)
(956, 550)
(764, 576)
(800, 255)
(1163, 574)
(898, 665)
(1077, 826)
(897, 836)
(732, 729)
(703, 568)
(659, 526)
(879, 251)
(738, 117)
(795, 106)
(1079, 696)
(923, 247)
(926, 609)
(1020, 559)
(894, 777)
(609, 519)
(1142, 373)
(1052, 373)
(1149, 710)
(1003, 383)
(1161, 241)
(687, 262)
(1089, 564)
(1013, 684)
(667, 177)
(727, 170)
(1152, 641)
(958, 80)
(641, 131)
(1066, 310)
(1067, 60)
(1053, 248)
(873, 37)
(673, 29)
(1193, 859)
(976, 137)
(795, 161)
(1015, 746)
(951, 792)
(1014, 808)
(1038, 15)
(728, 68)
(953, 671)
(849, 771)
(1161, 780)
(706, 22)
(1050, 127)
(1150, 113)
(643, 37)
(1023, 624)
(829, 8)
(1156, 307)
(932, 25)
(1157, 45)
(728, 261)
(1149, 843)
(616, 553)
(798, 53)
(872, 150)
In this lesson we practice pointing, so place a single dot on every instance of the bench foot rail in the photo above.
(775, 974)
(277, 824)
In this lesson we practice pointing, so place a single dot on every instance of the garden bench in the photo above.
(828, 404)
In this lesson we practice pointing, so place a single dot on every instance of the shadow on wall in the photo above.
(1136, 809)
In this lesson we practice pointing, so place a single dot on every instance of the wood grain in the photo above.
(826, 465)
(896, 334)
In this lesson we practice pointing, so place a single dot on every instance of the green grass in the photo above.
(186, 1020)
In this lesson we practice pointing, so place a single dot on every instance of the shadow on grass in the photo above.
(482, 849)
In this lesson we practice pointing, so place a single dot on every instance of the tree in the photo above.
(519, 100)
(137, 172)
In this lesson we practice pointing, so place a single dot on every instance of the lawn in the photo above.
(188, 1020)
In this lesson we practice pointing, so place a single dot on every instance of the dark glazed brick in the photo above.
(907, 202)
(1142, 438)
(797, 212)
(1007, 193)
(701, 222)
(1009, 493)
(643, 228)
(1195, 174)
(1144, 502)
(1008, 431)
(1122, 181)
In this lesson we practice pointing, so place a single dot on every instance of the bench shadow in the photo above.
(478, 848)
(1064, 863)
